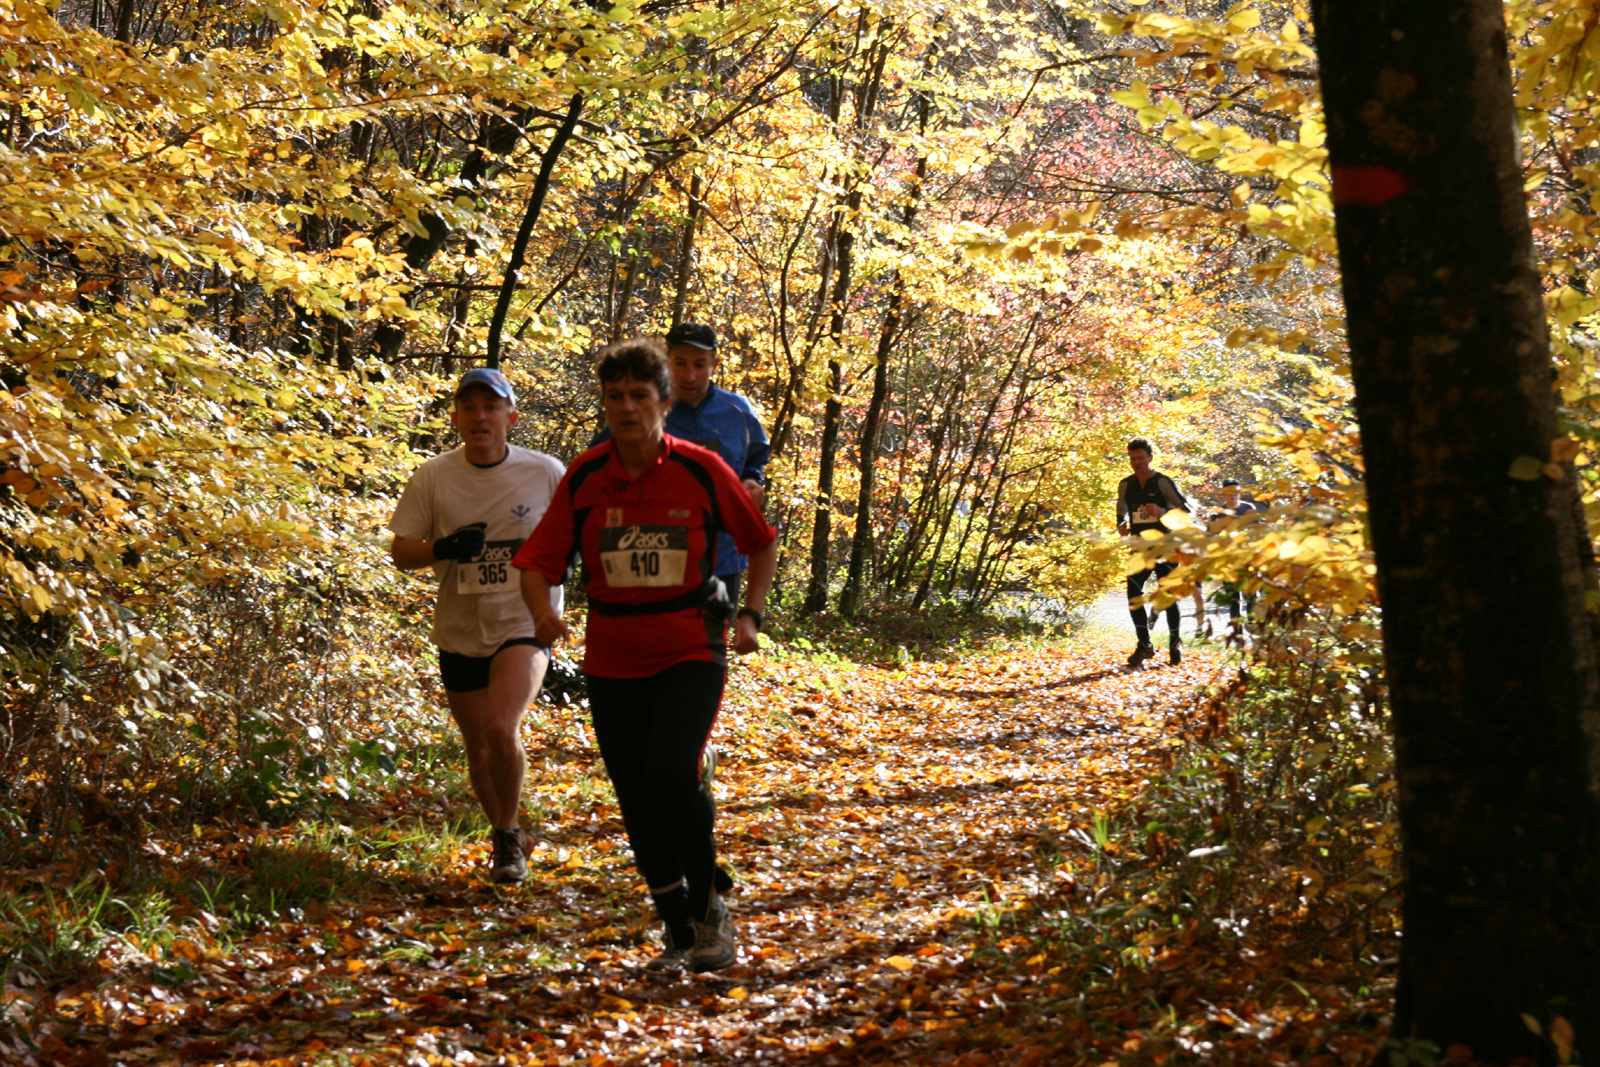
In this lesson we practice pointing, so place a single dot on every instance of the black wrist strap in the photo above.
(753, 614)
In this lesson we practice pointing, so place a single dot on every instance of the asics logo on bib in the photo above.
(636, 538)
(495, 551)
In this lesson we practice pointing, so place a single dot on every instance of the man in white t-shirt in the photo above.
(465, 513)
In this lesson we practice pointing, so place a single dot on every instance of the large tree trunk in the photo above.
(1491, 666)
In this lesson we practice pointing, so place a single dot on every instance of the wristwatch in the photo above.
(754, 615)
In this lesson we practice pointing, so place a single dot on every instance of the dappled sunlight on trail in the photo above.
(907, 843)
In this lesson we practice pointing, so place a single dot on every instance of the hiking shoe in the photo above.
(674, 953)
(713, 939)
(509, 865)
(1175, 653)
(1140, 654)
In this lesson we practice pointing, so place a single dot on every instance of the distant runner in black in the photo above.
(1233, 506)
(1142, 498)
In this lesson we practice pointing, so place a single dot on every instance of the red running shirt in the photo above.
(643, 541)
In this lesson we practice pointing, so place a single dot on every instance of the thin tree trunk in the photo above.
(850, 597)
(822, 527)
(980, 442)
(1491, 666)
(822, 522)
(497, 136)
(686, 251)
(630, 278)
(519, 247)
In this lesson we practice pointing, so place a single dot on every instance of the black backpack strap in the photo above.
(709, 591)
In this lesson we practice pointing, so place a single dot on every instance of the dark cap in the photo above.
(1229, 481)
(692, 333)
(491, 380)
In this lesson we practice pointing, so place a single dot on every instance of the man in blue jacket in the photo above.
(720, 420)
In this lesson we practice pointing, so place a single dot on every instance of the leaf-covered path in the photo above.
(887, 828)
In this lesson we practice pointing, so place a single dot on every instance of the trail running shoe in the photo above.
(1175, 653)
(674, 953)
(1140, 654)
(509, 865)
(713, 939)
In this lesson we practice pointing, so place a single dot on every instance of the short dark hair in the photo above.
(1139, 442)
(1229, 481)
(642, 359)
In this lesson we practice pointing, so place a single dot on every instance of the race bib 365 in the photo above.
(489, 571)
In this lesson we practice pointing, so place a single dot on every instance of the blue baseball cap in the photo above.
(491, 380)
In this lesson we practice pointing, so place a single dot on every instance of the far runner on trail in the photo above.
(1142, 498)
(1233, 506)
(464, 513)
(643, 510)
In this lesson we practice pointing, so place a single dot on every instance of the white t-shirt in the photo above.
(480, 601)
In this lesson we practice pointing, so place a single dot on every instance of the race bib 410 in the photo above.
(644, 556)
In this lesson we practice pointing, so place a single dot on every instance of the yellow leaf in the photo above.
(1177, 519)
(900, 881)
(901, 963)
(738, 992)
(1242, 21)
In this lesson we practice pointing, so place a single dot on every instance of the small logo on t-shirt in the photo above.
(613, 516)
(522, 511)
(677, 513)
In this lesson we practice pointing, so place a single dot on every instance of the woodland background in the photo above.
(957, 256)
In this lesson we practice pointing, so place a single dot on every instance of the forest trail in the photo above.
(889, 829)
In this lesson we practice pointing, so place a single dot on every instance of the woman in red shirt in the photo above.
(642, 510)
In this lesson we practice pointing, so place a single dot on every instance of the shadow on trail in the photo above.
(975, 693)
(897, 889)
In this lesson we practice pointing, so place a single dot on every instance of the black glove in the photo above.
(461, 545)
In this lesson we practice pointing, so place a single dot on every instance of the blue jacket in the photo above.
(725, 423)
